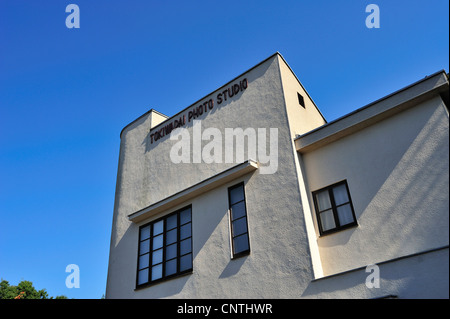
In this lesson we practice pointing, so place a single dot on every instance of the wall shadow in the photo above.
(404, 213)
(233, 267)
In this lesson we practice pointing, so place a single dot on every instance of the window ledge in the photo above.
(165, 279)
(337, 230)
(195, 190)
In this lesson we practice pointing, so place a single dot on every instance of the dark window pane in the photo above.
(171, 251)
(301, 100)
(323, 200)
(158, 227)
(240, 244)
(240, 226)
(237, 210)
(156, 272)
(171, 236)
(145, 232)
(345, 214)
(144, 247)
(186, 262)
(143, 261)
(185, 216)
(236, 194)
(157, 257)
(185, 246)
(185, 231)
(157, 242)
(142, 276)
(327, 220)
(171, 222)
(171, 267)
(340, 194)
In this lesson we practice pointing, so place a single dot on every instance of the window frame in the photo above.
(301, 100)
(231, 220)
(338, 227)
(178, 241)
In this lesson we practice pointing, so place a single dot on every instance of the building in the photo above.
(250, 193)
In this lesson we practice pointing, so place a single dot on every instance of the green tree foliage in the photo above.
(24, 290)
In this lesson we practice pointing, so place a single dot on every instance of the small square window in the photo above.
(334, 208)
(301, 100)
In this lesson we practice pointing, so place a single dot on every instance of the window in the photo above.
(238, 220)
(301, 100)
(334, 208)
(165, 247)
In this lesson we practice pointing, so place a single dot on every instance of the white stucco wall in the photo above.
(394, 172)
(423, 276)
(279, 261)
(397, 174)
(301, 120)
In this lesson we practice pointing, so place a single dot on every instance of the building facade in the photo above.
(251, 193)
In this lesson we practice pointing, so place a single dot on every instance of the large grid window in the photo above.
(334, 208)
(238, 216)
(165, 247)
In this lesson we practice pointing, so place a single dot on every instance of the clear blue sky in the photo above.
(65, 95)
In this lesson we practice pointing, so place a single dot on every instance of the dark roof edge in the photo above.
(148, 112)
(224, 85)
(293, 73)
(377, 101)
